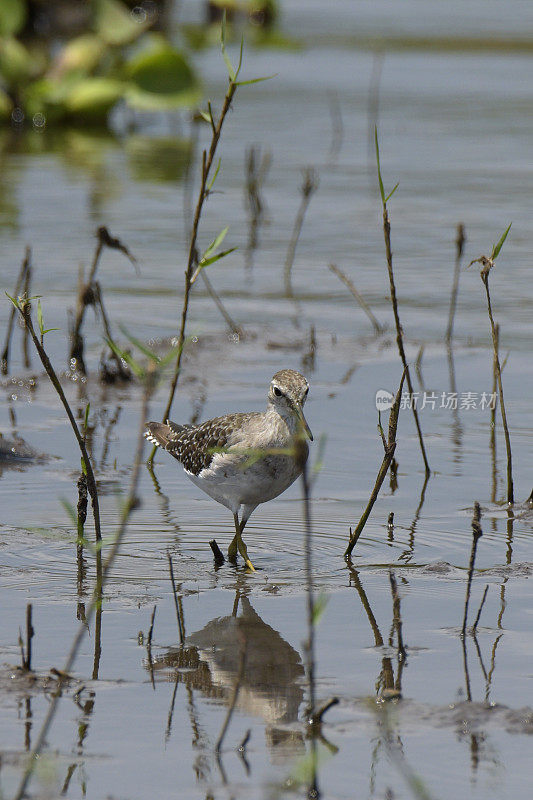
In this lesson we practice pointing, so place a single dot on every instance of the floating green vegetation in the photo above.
(115, 57)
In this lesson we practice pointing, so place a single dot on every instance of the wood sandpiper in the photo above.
(244, 459)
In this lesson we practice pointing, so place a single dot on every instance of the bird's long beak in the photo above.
(305, 426)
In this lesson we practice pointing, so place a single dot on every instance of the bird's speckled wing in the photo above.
(196, 445)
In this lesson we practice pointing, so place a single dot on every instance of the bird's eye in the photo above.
(277, 391)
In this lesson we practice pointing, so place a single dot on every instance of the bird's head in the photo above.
(287, 394)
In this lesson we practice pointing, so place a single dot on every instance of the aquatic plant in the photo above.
(394, 300)
(487, 262)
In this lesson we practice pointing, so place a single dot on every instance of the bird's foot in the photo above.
(244, 553)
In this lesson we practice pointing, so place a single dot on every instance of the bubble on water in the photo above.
(17, 115)
(39, 121)
(138, 14)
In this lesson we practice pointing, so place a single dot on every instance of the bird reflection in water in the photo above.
(270, 686)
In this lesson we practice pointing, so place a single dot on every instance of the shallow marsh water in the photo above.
(455, 130)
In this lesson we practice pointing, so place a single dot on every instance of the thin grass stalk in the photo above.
(476, 535)
(175, 596)
(256, 169)
(310, 604)
(397, 756)
(26, 653)
(25, 311)
(480, 609)
(378, 327)
(235, 329)
(399, 333)
(149, 647)
(389, 447)
(397, 617)
(25, 335)
(312, 789)
(127, 508)
(510, 489)
(307, 189)
(4, 358)
(492, 435)
(97, 630)
(77, 344)
(394, 301)
(337, 127)
(86, 291)
(81, 518)
(374, 87)
(122, 372)
(460, 245)
(207, 163)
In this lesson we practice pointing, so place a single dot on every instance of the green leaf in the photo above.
(81, 54)
(40, 317)
(208, 118)
(391, 193)
(256, 80)
(229, 65)
(86, 419)
(17, 65)
(134, 366)
(207, 258)
(6, 105)
(239, 65)
(207, 261)
(307, 766)
(140, 345)
(91, 99)
(319, 457)
(69, 508)
(161, 79)
(83, 466)
(115, 24)
(213, 179)
(15, 302)
(497, 247)
(319, 607)
(13, 15)
(170, 356)
(217, 241)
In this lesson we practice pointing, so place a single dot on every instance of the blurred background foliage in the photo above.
(71, 62)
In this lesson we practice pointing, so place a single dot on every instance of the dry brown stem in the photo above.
(460, 245)
(389, 446)
(378, 328)
(476, 535)
(399, 332)
(307, 189)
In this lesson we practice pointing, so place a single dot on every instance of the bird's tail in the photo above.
(160, 434)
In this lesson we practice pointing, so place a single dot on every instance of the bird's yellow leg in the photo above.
(244, 552)
(232, 549)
